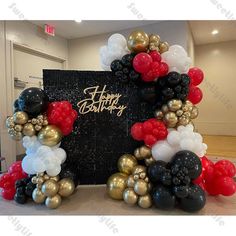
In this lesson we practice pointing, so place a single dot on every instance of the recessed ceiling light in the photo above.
(78, 21)
(214, 32)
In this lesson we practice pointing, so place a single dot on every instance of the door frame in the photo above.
(8, 146)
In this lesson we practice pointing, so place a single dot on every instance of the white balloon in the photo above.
(60, 154)
(55, 171)
(38, 166)
(43, 150)
(117, 39)
(173, 138)
(163, 152)
(27, 165)
(186, 144)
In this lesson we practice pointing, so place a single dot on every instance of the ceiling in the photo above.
(201, 31)
(71, 29)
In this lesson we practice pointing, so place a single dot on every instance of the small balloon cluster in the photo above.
(42, 126)
(217, 178)
(8, 180)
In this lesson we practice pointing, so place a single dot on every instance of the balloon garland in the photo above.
(43, 175)
(171, 169)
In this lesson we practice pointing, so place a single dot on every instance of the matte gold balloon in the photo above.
(53, 202)
(38, 196)
(145, 151)
(138, 41)
(194, 113)
(10, 122)
(50, 188)
(164, 108)
(66, 187)
(129, 196)
(116, 185)
(138, 169)
(170, 119)
(20, 117)
(149, 161)
(145, 201)
(164, 46)
(28, 130)
(158, 114)
(141, 187)
(50, 135)
(126, 163)
(130, 181)
(174, 104)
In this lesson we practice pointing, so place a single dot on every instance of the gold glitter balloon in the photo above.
(20, 117)
(130, 181)
(53, 202)
(18, 128)
(66, 187)
(116, 185)
(129, 196)
(126, 163)
(141, 187)
(10, 122)
(194, 113)
(174, 104)
(164, 46)
(158, 114)
(145, 201)
(38, 196)
(138, 169)
(50, 135)
(138, 41)
(50, 188)
(28, 130)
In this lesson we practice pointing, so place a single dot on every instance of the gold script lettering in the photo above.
(99, 101)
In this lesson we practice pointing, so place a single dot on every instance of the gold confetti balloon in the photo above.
(126, 163)
(28, 130)
(116, 185)
(53, 202)
(20, 117)
(130, 197)
(66, 187)
(50, 135)
(38, 196)
(138, 41)
(141, 187)
(50, 188)
(145, 201)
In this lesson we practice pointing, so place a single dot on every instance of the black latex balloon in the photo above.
(148, 93)
(122, 76)
(116, 65)
(19, 183)
(16, 106)
(134, 76)
(127, 60)
(156, 170)
(163, 198)
(173, 78)
(195, 200)
(33, 101)
(20, 190)
(29, 189)
(188, 160)
(166, 178)
(181, 191)
(20, 198)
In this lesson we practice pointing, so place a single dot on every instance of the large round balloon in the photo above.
(33, 101)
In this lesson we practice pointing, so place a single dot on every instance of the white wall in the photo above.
(84, 52)
(218, 108)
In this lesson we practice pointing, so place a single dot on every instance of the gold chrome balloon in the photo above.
(126, 163)
(28, 130)
(149, 161)
(50, 188)
(154, 41)
(164, 46)
(194, 112)
(50, 135)
(145, 201)
(18, 128)
(20, 117)
(53, 202)
(16, 136)
(66, 187)
(174, 104)
(56, 178)
(138, 169)
(116, 185)
(164, 108)
(141, 187)
(179, 112)
(158, 114)
(138, 41)
(10, 122)
(129, 196)
(170, 119)
(38, 196)
(183, 121)
(145, 151)
(130, 181)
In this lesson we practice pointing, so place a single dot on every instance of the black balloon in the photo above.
(156, 170)
(195, 200)
(166, 178)
(29, 189)
(188, 163)
(163, 198)
(181, 191)
(33, 101)
(148, 93)
(20, 190)
(20, 198)
(16, 106)
(127, 60)
(116, 65)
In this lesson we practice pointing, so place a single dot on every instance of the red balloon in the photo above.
(225, 168)
(4, 178)
(163, 69)
(196, 76)
(137, 131)
(8, 194)
(142, 62)
(15, 167)
(148, 77)
(155, 55)
(195, 95)
(225, 185)
(147, 127)
(149, 140)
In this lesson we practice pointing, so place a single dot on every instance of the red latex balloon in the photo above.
(196, 76)
(15, 167)
(4, 178)
(8, 194)
(142, 62)
(163, 69)
(148, 77)
(149, 140)
(225, 168)
(137, 131)
(195, 95)
(225, 185)
(155, 55)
